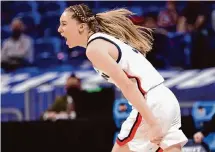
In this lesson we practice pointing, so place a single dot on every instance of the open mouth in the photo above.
(65, 39)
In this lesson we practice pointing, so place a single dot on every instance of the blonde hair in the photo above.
(116, 23)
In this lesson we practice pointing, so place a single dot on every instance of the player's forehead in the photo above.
(66, 16)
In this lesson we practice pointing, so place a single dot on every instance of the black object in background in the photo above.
(93, 130)
(95, 105)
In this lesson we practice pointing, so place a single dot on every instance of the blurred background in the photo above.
(51, 98)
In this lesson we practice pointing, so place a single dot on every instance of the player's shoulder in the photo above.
(100, 41)
(102, 36)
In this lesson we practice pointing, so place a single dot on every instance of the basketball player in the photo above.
(116, 48)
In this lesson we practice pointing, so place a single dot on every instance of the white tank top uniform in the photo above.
(159, 98)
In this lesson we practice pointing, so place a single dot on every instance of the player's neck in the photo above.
(85, 42)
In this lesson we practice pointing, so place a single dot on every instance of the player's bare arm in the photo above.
(100, 53)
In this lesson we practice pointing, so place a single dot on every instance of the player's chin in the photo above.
(70, 46)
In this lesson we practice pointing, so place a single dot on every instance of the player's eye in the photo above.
(63, 24)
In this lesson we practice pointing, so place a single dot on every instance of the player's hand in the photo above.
(155, 134)
(198, 137)
(49, 115)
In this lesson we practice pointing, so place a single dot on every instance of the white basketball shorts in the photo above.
(166, 109)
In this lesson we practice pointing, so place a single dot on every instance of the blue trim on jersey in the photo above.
(106, 39)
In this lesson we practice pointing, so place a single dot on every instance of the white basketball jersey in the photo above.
(135, 65)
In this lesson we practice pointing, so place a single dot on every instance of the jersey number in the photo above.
(105, 76)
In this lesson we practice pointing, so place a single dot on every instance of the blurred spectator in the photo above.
(203, 49)
(137, 20)
(123, 107)
(193, 17)
(168, 17)
(161, 42)
(150, 21)
(201, 111)
(207, 129)
(17, 50)
(64, 106)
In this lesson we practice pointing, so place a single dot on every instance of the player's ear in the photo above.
(82, 27)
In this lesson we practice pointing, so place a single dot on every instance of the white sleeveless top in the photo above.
(135, 65)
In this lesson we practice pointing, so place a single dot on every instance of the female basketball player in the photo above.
(116, 48)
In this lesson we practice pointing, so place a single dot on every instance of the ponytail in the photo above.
(117, 23)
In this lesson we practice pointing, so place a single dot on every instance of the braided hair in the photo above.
(84, 15)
